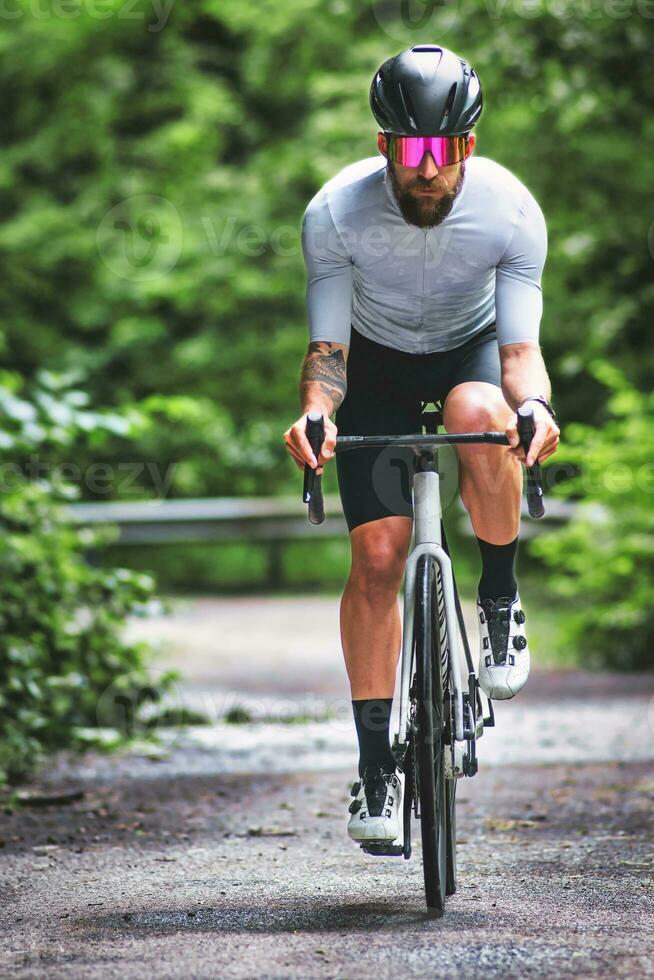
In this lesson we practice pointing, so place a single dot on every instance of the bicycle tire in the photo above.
(450, 784)
(429, 735)
(450, 803)
(408, 797)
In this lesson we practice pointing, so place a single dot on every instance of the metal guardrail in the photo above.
(250, 519)
(211, 519)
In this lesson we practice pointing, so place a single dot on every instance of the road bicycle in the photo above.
(440, 717)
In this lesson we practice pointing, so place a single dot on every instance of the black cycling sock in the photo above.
(497, 574)
(372, 718)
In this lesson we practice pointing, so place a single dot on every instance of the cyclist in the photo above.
(424, 268)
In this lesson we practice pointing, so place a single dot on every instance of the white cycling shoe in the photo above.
(504, 655)
(376, 810)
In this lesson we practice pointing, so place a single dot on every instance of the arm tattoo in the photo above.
(324, 370)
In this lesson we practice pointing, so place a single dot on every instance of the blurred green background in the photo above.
(156, 160)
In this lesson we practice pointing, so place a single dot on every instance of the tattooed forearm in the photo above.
(323, 382)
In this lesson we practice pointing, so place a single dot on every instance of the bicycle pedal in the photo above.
(383, 849)
(454, 768)
(399, 751)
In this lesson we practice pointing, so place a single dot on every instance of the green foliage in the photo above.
(156, 163)
(155, 168)
(61, 620)
(602, 563)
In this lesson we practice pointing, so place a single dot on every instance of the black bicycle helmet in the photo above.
(426, 91)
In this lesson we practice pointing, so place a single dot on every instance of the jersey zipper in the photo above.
(422, 292)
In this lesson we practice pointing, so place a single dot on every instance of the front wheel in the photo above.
(435, 800)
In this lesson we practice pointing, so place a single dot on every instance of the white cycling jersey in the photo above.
(424, 289)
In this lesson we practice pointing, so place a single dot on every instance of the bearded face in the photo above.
(426, 202)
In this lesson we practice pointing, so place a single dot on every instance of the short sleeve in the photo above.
(518, 295)
(329, 275)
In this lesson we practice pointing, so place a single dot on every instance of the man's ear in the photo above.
(472, 139)
(382, 144)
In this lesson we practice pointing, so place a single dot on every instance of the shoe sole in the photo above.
(375, 840)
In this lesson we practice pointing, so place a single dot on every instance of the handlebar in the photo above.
(315, 432)
(526, 429)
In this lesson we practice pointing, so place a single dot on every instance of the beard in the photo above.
(423, 211)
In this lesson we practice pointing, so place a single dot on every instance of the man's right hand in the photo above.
(299, 448)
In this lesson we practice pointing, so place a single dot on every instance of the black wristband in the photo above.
(539, 398)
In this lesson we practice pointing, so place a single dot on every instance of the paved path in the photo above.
(205, 877)
(280, 660)
(179, 868)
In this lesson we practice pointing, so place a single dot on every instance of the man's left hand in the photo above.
(546, 436)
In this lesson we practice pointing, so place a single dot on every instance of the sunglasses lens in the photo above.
(408, 151)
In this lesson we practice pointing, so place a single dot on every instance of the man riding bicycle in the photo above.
(424, 269)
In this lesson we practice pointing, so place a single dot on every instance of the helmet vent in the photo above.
(408, 105)
(449, 102)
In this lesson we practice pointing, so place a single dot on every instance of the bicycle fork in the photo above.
(428, 541)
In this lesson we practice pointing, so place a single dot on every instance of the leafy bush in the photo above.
(61, 643)
(602, 563)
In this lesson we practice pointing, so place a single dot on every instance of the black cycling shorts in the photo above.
(385, 389)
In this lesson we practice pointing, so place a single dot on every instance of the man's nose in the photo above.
(428, 168)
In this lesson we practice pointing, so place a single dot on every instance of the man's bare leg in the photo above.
(490, 478)
(491, 486)
(370, 616)
(371, 632)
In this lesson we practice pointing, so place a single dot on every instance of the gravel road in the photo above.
(169, 867)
